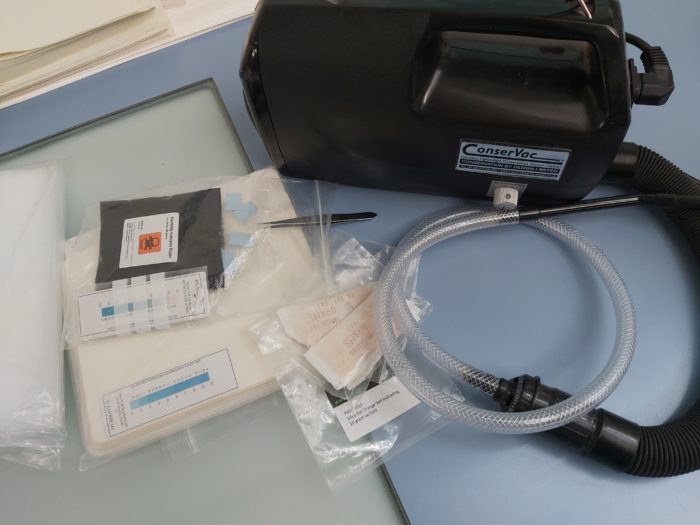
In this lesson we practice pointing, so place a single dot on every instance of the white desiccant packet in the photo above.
(310, 321)
(348, 353)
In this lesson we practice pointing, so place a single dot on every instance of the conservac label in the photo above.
(512, 161)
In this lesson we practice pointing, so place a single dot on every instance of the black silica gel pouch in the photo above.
(161, 234)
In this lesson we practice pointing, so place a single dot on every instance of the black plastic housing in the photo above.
(383, 94)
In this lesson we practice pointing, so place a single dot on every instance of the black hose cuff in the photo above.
(599, 434)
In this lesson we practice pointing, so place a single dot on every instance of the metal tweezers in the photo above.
(318, 220)
(585, 8)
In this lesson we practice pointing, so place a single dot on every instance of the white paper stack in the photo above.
(41, 41)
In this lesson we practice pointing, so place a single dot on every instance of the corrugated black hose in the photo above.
(673, 448)
(664, 450)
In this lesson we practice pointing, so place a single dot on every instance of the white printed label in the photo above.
(512, 161)
(144, 305)
(167, 393)
(150, 240)
(374, 408)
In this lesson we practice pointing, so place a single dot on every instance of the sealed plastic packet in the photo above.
(160, 292)
(32, 422)
(352, 411)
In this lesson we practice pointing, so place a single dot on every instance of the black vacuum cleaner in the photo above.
(462, 96)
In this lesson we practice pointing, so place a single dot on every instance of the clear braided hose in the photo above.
(395, 325)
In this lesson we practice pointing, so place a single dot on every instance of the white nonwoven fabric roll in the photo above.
(31, 349)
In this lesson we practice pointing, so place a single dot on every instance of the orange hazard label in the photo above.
(149, 243)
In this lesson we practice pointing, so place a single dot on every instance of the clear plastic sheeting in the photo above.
(165, 345)
(396, 327)
(32, 425)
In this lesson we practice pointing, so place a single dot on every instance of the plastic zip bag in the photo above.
(149, 380)
(350, 431)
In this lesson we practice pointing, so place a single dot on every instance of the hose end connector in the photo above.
(599, 434)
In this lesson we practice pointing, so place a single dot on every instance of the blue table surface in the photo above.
(514, 301)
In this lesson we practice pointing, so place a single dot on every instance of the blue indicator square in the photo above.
(229, 257)
(239, 239)
(245, 213)
(233, 202)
